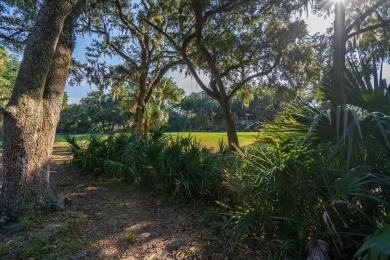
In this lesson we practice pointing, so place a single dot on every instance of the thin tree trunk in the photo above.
(31, 116)
(229, 124)
(139, 112)
(140, 109)
(146, 126)
(339, 49)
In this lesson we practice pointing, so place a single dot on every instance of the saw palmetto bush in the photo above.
(273, 190)
(190, 169)
(179, 166)
(318, 176)
(375, 246)
(88, 155)
(301, 191)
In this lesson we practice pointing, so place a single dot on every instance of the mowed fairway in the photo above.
(209, 139)
(79, 137)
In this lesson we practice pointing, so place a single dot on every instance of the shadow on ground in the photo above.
(110, 220)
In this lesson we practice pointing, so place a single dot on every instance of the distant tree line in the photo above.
(96, 113)
(199, 112)
(101, 113)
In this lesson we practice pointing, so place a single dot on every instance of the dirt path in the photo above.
(110, 220)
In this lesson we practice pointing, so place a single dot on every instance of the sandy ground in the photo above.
(119, 222)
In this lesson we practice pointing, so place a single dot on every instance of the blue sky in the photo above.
(314, 24)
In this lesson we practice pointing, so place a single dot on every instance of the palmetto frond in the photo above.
(366, 92)
(351, 134)
(363, 89)
(116, 169)
(375, 246)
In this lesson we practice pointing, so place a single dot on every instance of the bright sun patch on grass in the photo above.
(209, 139)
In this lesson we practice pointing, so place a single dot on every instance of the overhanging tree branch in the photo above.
(183, 52)
(364, 16)
(160, 75)
(196, 4)
(256, 75)
(131, 26)
(114, 47)
(227, 7)
(369, 28)
(230, 69)
(160, 30)
(11, 38)
(197, 78)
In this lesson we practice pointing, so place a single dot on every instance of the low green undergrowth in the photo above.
(45, 241)
(311, 183)
(302, 184)
(179, 166)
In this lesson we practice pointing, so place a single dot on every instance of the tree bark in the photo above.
(139, 112)
(229, 124)
(339, 49)
(223, 98)
(140, 109)
(32, 114)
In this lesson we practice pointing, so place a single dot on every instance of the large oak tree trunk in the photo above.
(53, 94)
(31, 116)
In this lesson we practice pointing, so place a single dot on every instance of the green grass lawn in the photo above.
(209, 139)
(79, 137)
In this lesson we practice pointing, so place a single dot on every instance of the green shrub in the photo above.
(88, 155)
(375, 246)
(304, 183)
(190, 170)
(179, 166)
(274, 193)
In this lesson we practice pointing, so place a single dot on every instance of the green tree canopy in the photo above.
(96, 113)
(234, 43)
(123, 34)
(9, 66)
